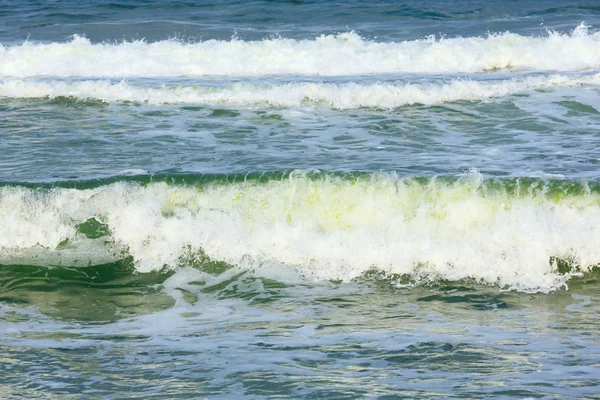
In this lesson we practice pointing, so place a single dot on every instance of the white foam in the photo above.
(322, 229)
(326, 55)
(335, 95)
(133, 172)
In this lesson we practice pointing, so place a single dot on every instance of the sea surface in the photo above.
(299, 199)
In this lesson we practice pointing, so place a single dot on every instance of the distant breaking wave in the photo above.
(333, 95)
(345, 54)
(530, 235)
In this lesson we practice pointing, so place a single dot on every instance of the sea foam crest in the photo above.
(325, 228)
(334, 95)
(343, 54)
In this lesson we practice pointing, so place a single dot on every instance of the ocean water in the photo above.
(299, 199)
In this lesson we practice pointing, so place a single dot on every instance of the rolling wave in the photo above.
(528, 235)
(333, 95)
(344, 54)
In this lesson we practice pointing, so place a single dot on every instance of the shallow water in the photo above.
(200, 335)
(334, 200)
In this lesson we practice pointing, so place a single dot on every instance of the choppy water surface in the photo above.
(299, 199)
(232, 334)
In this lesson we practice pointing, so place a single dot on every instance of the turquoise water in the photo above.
(337, 200)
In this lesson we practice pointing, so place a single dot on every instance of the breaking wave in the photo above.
(334, 95)
(529, 235)
(344, 54)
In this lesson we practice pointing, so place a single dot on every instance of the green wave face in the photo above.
(96, 294)
(524, 234)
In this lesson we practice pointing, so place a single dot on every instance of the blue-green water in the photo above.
(337, 200)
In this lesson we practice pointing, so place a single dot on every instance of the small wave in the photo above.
(343, 54)
(333, 95)
(514, 234)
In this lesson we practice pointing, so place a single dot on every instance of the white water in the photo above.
(339, 96)
(320, 229)
(332, 55)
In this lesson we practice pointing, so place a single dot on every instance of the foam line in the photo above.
(343, 54)
(330, 95)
